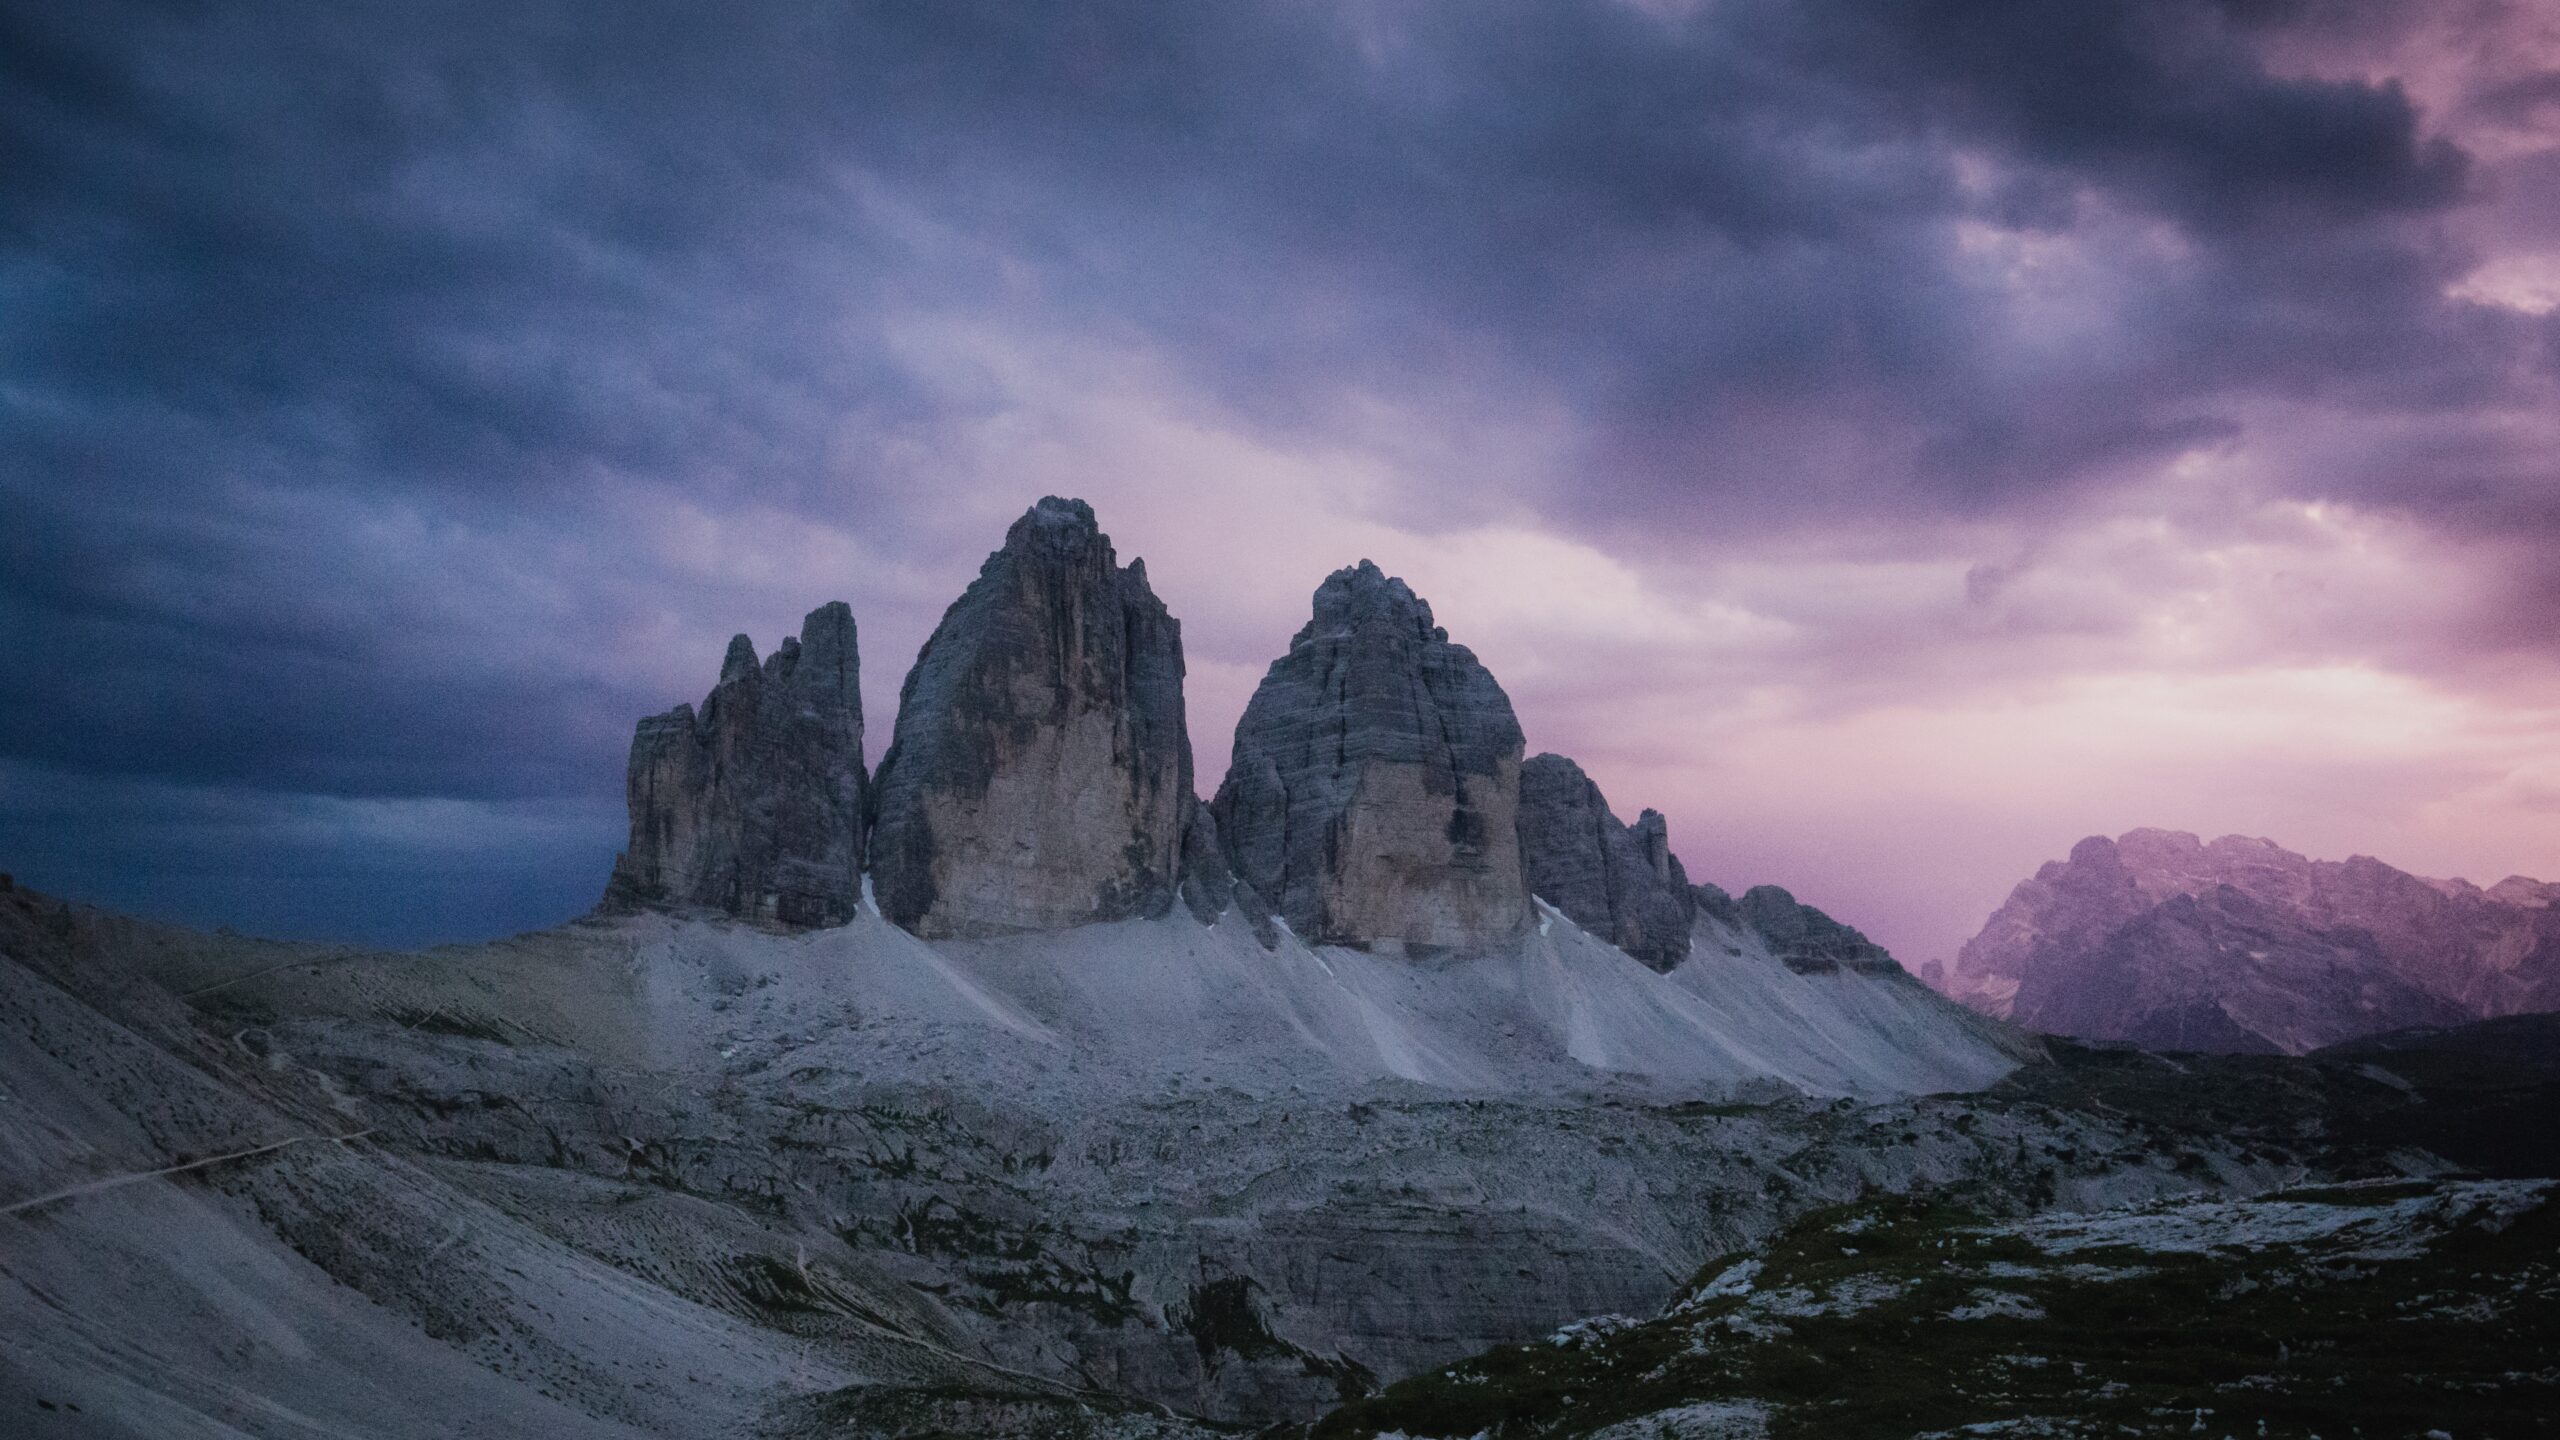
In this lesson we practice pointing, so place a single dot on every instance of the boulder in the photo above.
(1374, 794)
(1619, 882)
(754, 805)
(1040, 773)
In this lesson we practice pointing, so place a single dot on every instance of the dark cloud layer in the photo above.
(367, 371)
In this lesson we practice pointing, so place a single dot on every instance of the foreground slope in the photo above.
(670, 1176)
(311, 1286)
(1063, 1018)
(2392, 1308)
(2406, 1283)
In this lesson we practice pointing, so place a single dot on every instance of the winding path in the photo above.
(111, 1182)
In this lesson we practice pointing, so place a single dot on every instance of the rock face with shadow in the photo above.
(755, 804)
(1374, 793)
(1620, 882)
(1209, 889)
(1040, 775)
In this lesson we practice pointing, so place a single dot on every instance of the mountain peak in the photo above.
(1055, 521)
(1040, 772)
(1617, 881)
(2095, 850)
(2124, 936)
(1363, 594)
(1374, 793)
(754, 805)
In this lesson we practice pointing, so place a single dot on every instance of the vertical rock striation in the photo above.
(755, 805)
(1040, 773)
(1374, 794)
(1621, 883)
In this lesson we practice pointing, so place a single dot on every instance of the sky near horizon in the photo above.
(1893, 439)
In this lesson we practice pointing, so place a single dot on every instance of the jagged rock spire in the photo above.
(755, 805)
(1375, 787)
(1621, 883)
(1040, 774)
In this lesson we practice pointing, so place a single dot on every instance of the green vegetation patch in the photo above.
(1909, 1317)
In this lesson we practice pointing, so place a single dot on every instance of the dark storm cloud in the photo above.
(302, 866)
(2168, 99)
(483, 254)
(336, 341)
(2293, 262)
(300, 306)
(395, 246)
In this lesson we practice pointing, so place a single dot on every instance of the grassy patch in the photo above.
(1850, 1328)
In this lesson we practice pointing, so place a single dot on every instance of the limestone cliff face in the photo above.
(1374, 794)
(1620, 882)
(1040, 773)
(755, 804)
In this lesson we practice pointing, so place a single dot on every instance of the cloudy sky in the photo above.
(1893, 437)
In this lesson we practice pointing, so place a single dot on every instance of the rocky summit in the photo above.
(1803, 938)
(1040, 773)
(1040, 778)
(754, 805)
(1374, 793)
(2160, 938)
(1621, 883)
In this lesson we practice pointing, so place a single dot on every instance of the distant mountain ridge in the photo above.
(2160, 939)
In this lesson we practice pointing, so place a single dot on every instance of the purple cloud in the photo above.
(392, 408)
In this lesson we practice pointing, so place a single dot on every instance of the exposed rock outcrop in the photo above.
(1374, 794)
(755, 804)
(1809, 941)
(1715, 903)
(2160, 938)
(1619, 882)
(1208, 887)
(1040, 773)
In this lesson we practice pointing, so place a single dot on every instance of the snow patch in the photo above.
(1997, 1305)
(1707, 1420)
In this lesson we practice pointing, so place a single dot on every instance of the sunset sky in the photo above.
(1893, 439)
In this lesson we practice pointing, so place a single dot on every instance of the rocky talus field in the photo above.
(1400, 1088)
(678, 1177)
